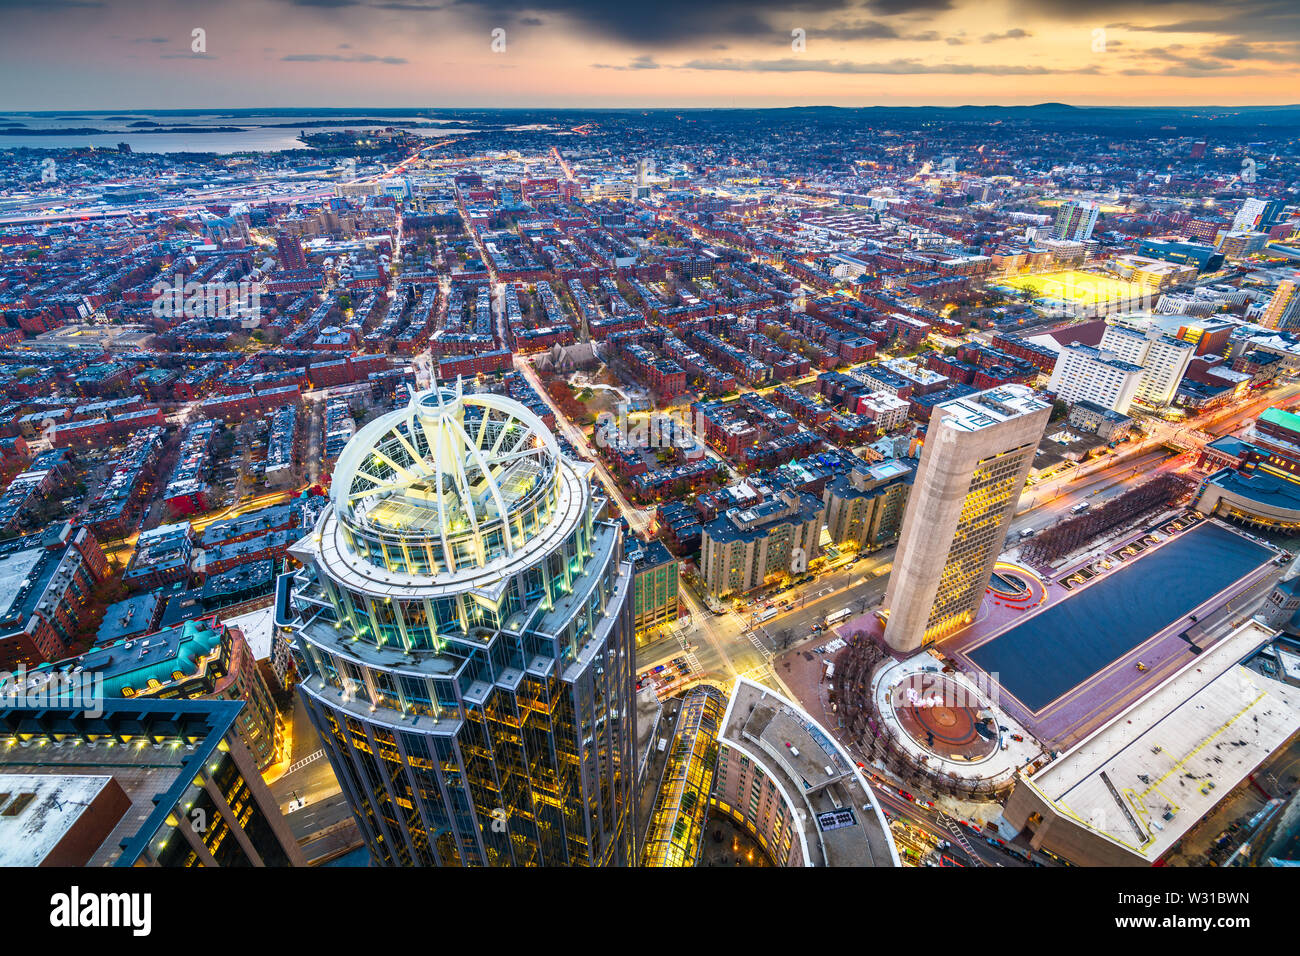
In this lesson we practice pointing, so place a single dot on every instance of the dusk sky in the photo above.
(119, 54)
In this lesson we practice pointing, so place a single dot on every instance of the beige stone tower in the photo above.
(977, 455)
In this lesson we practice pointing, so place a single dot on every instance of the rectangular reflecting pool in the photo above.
(1065, 644)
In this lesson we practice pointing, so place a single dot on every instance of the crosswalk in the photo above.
(951, 825)
(299, 764)
(691, 659)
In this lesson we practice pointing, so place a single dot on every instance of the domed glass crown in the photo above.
(450, 482)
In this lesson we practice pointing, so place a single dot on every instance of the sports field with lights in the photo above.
(1080, 288)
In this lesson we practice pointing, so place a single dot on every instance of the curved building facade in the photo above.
(463, 623)
(1258, 498)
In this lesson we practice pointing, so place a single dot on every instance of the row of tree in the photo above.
(876, 738)
(1163, 491)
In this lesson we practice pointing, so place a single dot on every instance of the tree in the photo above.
(1074, 533)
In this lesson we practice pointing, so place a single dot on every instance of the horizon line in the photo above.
(594, 109)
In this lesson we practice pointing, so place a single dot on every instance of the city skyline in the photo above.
(146, 54)
(607, 460)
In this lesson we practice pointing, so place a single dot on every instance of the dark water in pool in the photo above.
(1061, 647)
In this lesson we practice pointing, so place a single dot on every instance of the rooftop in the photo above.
(155, 775)
(991, 407)
(842, 825)
(1144, 779)
(47, 807)
(448, 467)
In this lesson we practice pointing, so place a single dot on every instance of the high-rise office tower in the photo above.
(1075, 220)
(1283, 309)
(977, 455)
(464, 623)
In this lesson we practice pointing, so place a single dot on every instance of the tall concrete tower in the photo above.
(464, 624)
(977, 455)
(643, 169)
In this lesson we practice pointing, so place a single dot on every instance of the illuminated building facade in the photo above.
(978, 452)
(784, 780)
(135, 783)
(463, 625)
(675, 836)
(198, 659)
(741, 549)
(654, 587)
(865, 506)
(1283, 309)
(1076, 220)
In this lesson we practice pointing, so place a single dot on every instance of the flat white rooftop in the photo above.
(51, 805)
(1144, 779)
(991, 407)
(14, 571)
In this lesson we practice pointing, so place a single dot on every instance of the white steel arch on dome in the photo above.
(474, 476)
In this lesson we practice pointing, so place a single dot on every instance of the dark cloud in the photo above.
(1014, 33)
(1254, 19)
(864, 30)
(872, 30)
(670, 23)
(46, 4)
(639, 63)
(338, 58)
(1191, 70)
(891, 8)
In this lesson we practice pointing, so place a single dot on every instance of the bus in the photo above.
(838, 616)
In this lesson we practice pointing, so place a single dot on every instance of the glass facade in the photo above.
(676, 833)
(655, 594)
(477, 710)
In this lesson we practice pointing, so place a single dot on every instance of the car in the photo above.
(1027, 533)
(1017, 738)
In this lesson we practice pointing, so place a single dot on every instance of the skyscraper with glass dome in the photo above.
(463, 623)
